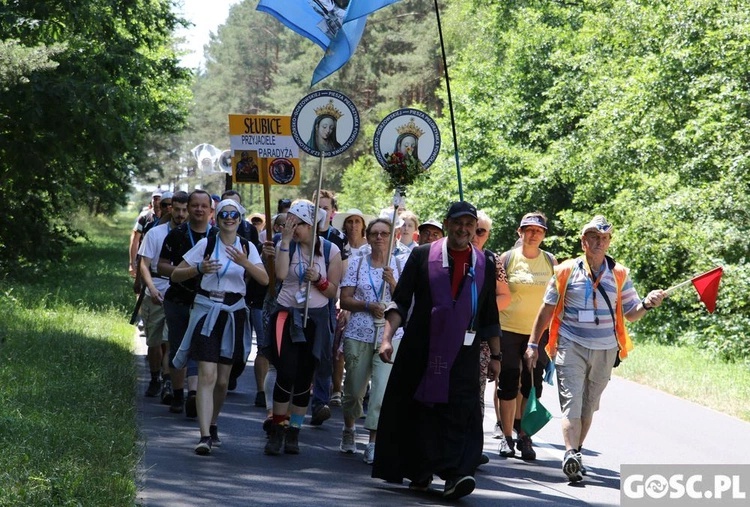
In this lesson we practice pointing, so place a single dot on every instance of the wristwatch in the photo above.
(497, 357)
(643, 303)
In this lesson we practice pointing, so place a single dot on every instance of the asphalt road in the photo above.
(636, 425)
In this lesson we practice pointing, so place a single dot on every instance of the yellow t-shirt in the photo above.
(527, 280)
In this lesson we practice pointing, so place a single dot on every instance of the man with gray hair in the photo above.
(585, 307)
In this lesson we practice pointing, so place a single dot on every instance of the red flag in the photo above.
(707, 286)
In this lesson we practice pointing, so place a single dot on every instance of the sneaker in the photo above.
(177, 405)
(260, 399)
(498, 433)
(214, 431)
(420, 485)
(580, 460)
(571, 466)
(152, 391)
(166, 393)
(369, 457)
(348, 445)
(204, 446)
(291, 440)
(191, 410)
(275, 440)
(527, 451)
(507, 448)
(321, 414)
(484, 459)
(458, 487)
(335, 399)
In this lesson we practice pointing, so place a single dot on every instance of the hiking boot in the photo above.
(177, 405)
(507, 448)
(260, 399)
(204, 446)
(498, 433)
(348, 445)
(275, 440)
(191, 410)
(571, 466)
(152, 391)
(458, 487)
(527, 451)
(369, 456)
(166, 393)
(267, 423)
(291, 440)
(320, 414)
(335, 399)
(214, 432)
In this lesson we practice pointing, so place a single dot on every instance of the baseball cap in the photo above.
(533, 219)
(598, 224)
(428, 223)
(156, 193)
(461, 208)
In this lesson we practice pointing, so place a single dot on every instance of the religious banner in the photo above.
(325, 123)
(263, 145)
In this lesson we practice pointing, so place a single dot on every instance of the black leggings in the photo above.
(295, 366)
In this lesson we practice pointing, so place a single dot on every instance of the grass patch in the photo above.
(691, 374)
(68, 425)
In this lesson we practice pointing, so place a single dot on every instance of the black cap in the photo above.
(461, 208)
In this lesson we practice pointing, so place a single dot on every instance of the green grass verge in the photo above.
(692, 375)
(68, 426)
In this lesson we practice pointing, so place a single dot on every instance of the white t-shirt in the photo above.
(295, 280)
(367, 282)
(231, 276)
(150, 248)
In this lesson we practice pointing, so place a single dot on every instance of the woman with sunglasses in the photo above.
(219, 320)
(529, 269)
(297, 348)
(367, 279)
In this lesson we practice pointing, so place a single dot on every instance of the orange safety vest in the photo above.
(562, 274)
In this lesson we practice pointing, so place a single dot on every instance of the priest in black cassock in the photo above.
(431, 420)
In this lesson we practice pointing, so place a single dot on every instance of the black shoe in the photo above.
(267, 425)
(420, 485)
(321, 414)
(213, 430)
(166, 393)
(204, 446)
(275, 440)
(459, 487)
(527, 451)
(260, 399)
(291, 440)
(571, 466)
(191, 410)
(177, 405)
(153, 389)
(484, 459)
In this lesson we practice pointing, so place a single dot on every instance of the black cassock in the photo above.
(415, 441)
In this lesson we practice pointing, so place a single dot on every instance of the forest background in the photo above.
(639, 110)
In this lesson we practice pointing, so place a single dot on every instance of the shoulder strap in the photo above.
(550, 260)
(508, 255)
(210, 245)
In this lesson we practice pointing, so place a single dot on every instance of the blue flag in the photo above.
(335, 25)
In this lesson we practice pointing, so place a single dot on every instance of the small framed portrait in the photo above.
(325, 123)
(409, 132)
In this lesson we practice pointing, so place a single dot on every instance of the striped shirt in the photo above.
(579, 296)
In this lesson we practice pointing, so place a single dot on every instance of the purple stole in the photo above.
(448, 323)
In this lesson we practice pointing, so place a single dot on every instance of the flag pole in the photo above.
(678, 286)
(450, 103)
(314, 236)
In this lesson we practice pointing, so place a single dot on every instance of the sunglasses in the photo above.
(233, 215)
(380, 234)
(481, 232)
